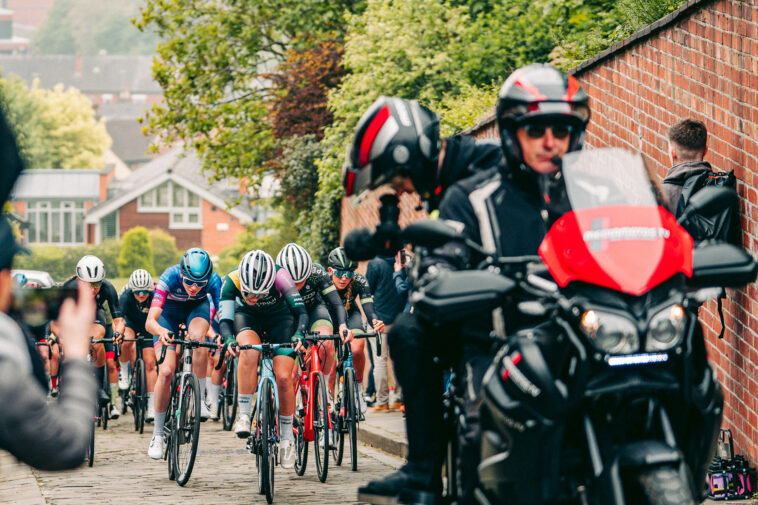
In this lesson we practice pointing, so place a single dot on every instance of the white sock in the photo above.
(285, 428)
(150, 401)
(202, 389)
(208, 383)
(245, 403)
(124, 367)
(213, 391)
(160, 418)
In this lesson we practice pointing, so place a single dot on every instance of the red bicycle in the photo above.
(312, 422)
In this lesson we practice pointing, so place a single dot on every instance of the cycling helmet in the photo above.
(540, 93)
(20, 279)
(257, 273)
(90, 269)
(296, 260)
(339, 260)
(140, 280)
(394, 136)
(196, 265)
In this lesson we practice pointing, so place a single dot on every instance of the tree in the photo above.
(54, 128)
(272, 243)
(164, 249)
(87, 27)
(136, 252)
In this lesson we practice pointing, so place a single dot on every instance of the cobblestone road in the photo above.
(224, 473)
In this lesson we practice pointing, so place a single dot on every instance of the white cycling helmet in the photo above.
(257, 273)
(140, 280)
(90, 269)
(296, 260)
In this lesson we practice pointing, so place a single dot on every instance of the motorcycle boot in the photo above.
(409, 482)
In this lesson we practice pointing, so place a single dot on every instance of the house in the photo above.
(10, 41)
(29, 12)
(171, 193)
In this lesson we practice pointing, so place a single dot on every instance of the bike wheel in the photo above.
(266, 443)
(187, 429)
(301, 445)
(229, 395)
(134, 393)
(340, 424)
(141, 398)
(91, 447)
(352, 415)
(320, 426)
(168, 429)
(104, 410)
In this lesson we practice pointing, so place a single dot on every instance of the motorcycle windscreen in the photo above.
(615, 235)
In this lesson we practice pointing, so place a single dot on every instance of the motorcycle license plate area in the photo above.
(615, 234)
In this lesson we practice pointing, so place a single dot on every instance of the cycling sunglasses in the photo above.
(142, 292)
(200, 284)
(345, 274)
(537, 131)
(250, 294)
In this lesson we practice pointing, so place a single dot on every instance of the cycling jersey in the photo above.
(283, 297)
(318, 288)
(170, 287)
(107, 293)
(135, 312)
(358, 289)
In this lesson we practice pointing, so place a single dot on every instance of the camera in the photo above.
(38, 306)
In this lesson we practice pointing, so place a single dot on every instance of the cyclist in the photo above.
(316, 288)
(351, 287)
(90, 269)
(135, 300)
(181, 298)
(268, 306)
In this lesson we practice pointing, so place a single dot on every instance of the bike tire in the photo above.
(104, 410)
(229, 395)
(91, 447)
(301, 445)
(662, 485)
(353, 416)
(187, 429)
(320, 426)
(142, 396)
(267, 456)
(168, 430)
(133, 392)
(340, 424)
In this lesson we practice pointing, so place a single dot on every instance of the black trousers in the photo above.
(421, 354)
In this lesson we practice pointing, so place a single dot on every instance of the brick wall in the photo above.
(699, 62)
(213, 238)
(29, 12)
(128, 218)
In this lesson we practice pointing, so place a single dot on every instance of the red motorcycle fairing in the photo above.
(627, 248)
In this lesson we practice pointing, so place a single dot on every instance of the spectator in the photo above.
(400, 276)
(388, 304)
(687, 148)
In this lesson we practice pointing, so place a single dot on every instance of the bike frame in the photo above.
(314, 368)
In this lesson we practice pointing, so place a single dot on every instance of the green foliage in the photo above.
(136, 252)
(61, 262)
(87, 27)
(54, 128)
(165, 253)
(297, 171)
(462, 111)
(270, 237)
(640, 13)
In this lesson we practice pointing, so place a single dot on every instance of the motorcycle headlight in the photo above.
(610, 333)
(665, 330)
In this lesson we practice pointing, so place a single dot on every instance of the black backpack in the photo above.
(724, 226)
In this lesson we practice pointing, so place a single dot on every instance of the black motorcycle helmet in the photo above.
(394, 136)
(338, 260)
(539, 93)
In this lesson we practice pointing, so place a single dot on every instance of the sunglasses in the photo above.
(141, 292)
(345, 274)
(250, 294)
(200, 284)
(96, 284)
(537, 131)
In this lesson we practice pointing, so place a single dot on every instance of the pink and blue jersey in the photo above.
(171, 288)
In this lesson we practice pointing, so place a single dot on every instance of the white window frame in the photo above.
(184, 210)
(65, 207)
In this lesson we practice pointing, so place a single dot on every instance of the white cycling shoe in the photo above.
(215, 411)
(115, 412)
(242, 427)
(287, 448)
(155, 450)
(123, 379)
(205, 412)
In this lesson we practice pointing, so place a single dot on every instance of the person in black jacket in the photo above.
(541, 115)
(688, 144)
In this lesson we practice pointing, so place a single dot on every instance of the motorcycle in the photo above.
(610, 398)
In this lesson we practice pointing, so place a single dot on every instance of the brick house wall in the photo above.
(700, 61)
(128, 218)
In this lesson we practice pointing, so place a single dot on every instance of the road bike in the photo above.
(136, 396)
(228, 394)
(346, 413)
(101, 409)
(312, 421)
(182, 428)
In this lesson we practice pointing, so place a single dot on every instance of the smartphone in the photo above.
(37, 306)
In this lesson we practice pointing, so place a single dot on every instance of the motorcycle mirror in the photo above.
(430, 233)
(709, 200)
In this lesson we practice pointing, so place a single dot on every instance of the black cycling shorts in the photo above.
(355, 322)
(271, 328)
(139, 328)
(319, 316)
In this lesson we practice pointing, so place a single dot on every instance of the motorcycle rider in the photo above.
(541, 114)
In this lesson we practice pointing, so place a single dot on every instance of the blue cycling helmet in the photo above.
(196, 265)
